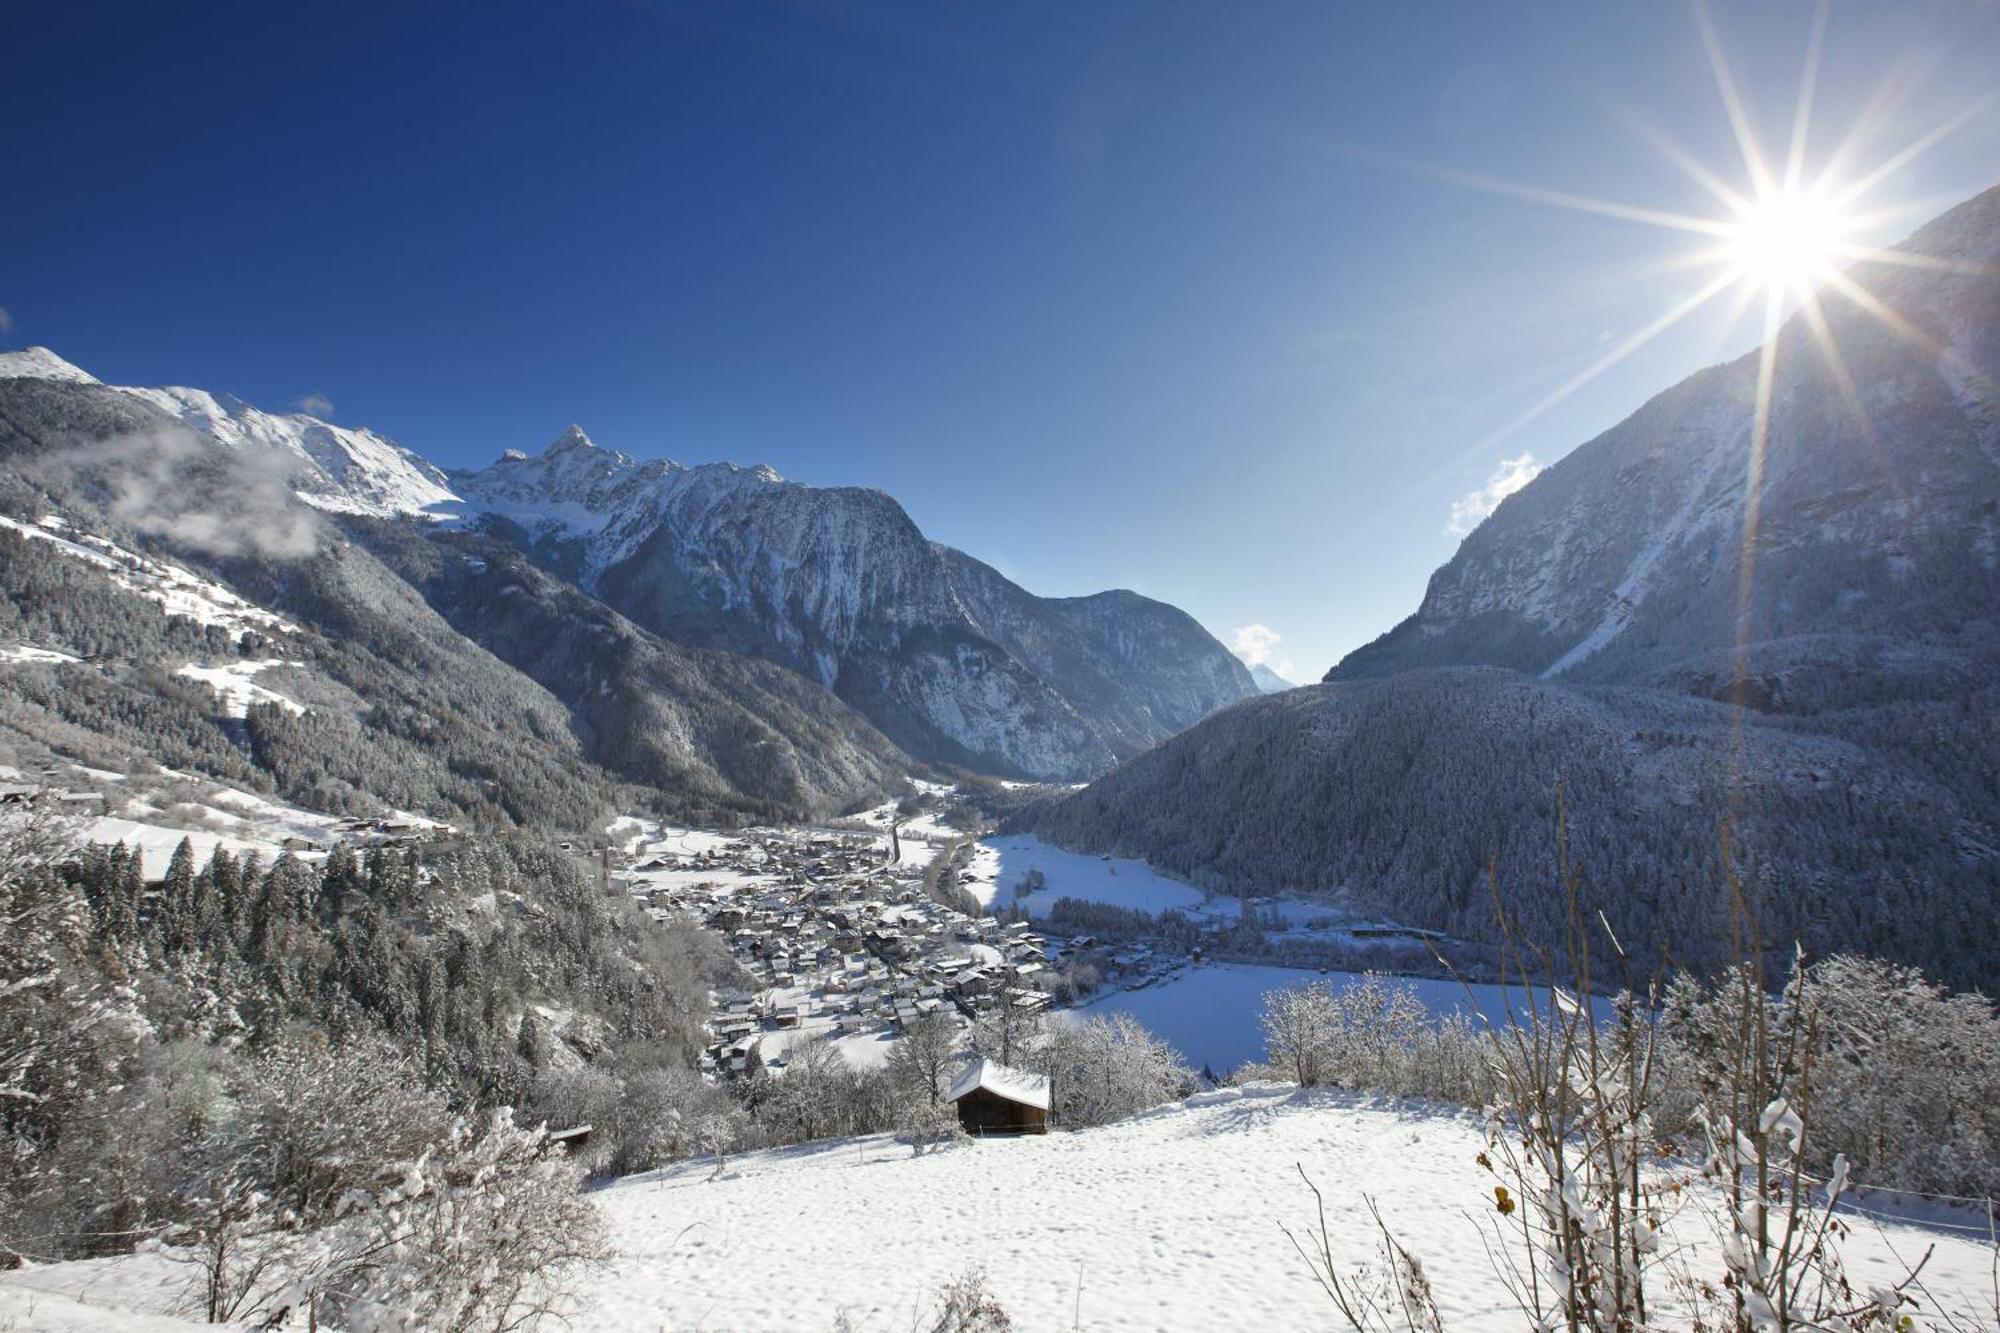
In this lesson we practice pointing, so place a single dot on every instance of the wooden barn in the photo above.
(993, 1099)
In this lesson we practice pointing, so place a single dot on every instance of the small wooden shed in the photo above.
(993, 1099)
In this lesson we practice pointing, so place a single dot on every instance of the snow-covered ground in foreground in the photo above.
(1170, 1221)
(24, 1308)
(1167, 1221)
(999, 864)
(1210, 1013)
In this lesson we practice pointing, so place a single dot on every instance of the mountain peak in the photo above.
(39, 363)
(570, 439)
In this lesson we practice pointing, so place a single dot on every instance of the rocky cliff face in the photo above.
(950, 659)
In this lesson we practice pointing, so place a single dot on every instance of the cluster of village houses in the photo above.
(836, 941)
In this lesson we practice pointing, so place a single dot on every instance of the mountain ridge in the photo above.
(836, 584)
(1809, 712)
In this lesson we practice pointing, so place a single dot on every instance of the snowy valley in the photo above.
(761, 864)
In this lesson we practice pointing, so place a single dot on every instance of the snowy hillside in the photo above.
(329, 466)
(1167, 1221)
(949, 659)
(1874, 515)
(1163, 1222)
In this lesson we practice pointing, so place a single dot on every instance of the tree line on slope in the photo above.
(1411, 796)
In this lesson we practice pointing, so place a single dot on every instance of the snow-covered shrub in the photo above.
(1374, 1034)
(319, 1124)
(1104, 1069)
(927, 1126)
(1297, 1021)
(486, 1229)
(1391, 1295)
(966, 1306)
(1903, 1077)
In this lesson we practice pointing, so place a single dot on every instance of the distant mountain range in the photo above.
(1588, 634)
(733, 640)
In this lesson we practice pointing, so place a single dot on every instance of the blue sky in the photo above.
(1164, 296)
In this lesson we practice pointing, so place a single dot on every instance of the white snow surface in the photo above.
(156, 843)
(1169, 1220)
(235, 683)
(999, 863)
(39, 363)
(27, 652)
(1166, 1221)
(1016, 1085)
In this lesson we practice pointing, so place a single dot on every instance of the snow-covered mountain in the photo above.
(331, 467)
(951, 660)
(1586, 636)
(1875, 518)
(1269, 681)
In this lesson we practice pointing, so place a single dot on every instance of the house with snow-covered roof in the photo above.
(992, 1098)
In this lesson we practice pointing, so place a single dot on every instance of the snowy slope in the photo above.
(178, 591)
(951, 661)
(1167, 1221)
(1874, 513)
(332, 467)
(39, 363)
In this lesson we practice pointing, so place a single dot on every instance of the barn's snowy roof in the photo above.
(1016, 1085)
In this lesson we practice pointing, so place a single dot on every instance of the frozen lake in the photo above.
(1210, 1013)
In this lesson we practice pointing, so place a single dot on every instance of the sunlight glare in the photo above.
(1788, 239)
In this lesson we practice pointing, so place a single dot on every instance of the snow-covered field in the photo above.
(1170, 1220)
(999, 864)
(1210, 1013)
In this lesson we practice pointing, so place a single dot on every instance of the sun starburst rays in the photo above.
(1788, 234)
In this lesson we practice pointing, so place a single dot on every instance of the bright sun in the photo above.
(1788, 239)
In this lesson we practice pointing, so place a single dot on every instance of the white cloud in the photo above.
(1253, 643)
(313, 404)
(1471, 509)
(6, 320)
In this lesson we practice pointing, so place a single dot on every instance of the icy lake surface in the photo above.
(1210, 1013)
